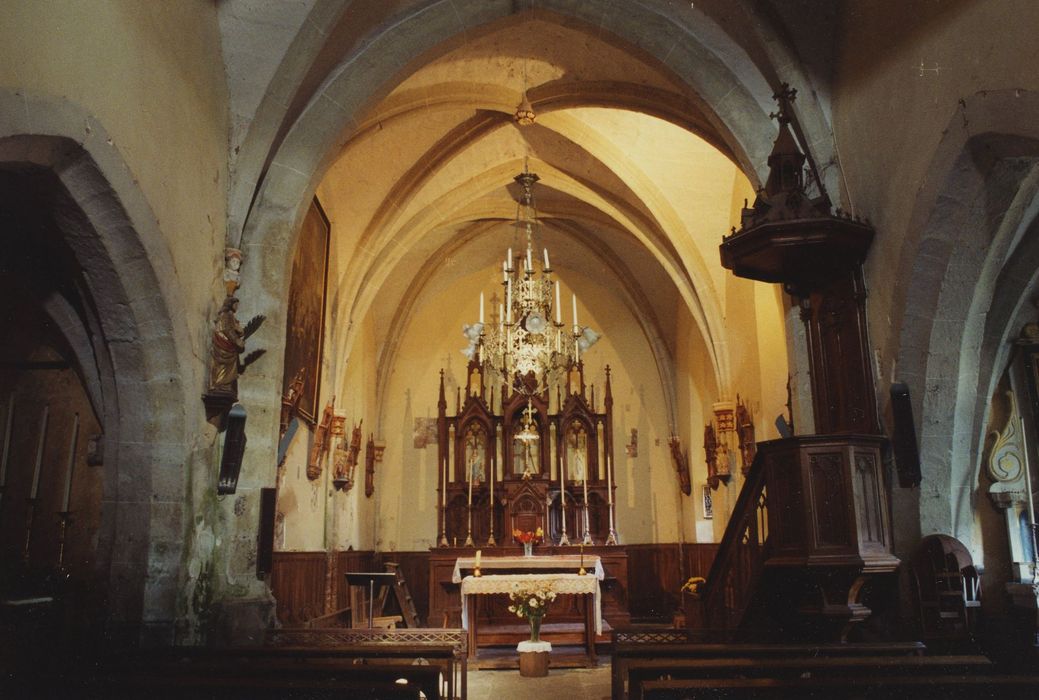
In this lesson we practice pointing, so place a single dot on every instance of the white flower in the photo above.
(533, 602)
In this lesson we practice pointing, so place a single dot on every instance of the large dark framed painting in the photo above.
(305, 321)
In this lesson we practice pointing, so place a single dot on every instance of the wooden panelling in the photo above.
(298, 585)
(655, 578)
(347, 562)
(310, 584)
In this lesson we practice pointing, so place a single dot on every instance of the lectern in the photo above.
(374, 581)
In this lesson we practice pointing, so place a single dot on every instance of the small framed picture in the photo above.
(708, 504)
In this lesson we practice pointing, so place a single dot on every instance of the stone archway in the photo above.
(140, 357)
(962, 287)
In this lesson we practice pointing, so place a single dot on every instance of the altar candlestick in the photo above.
(469, 470)
(546, 259)
(72, 462)
(7, 441)
(562, 483)
(559, 309)
(481, 308)
(39, 453)
(609, 482)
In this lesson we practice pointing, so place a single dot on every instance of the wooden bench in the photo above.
(445, 648)
(717, 672)
(922, 687)
(269, 681)
(335, 662)
(665, 642)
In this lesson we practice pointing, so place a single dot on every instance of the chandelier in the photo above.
(527, 343)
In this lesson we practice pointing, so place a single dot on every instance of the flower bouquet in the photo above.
(530, 602)
(528, 539)
(693, 585)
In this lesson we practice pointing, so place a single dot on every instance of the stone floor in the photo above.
(568, 683)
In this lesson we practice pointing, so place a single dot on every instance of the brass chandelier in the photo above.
(527, 344)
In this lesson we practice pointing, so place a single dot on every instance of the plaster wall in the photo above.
(160, 93)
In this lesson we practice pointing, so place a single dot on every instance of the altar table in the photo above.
(586, 585)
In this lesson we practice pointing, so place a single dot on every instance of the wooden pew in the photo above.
(665, 642)
(273, 681)
(336, 662)
(718, 672)
(918, 687)
(444, 648)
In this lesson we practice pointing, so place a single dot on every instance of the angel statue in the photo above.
(472, 332)
(228, 343)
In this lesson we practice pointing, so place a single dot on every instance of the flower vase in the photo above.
(528, 549)
(535, 628)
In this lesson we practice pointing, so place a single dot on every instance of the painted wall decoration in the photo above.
(305, 320)
(425, 432)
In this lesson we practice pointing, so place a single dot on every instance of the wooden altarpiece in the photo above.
(492, 482)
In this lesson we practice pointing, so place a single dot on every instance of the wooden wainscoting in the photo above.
(310, 584)
(654, 576)
(298, 585)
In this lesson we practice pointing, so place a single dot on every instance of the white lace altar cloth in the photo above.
(591, 563)
(564, 584)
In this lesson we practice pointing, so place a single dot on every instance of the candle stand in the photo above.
(30, 515)
(66, 519)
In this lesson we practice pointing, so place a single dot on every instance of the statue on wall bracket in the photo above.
(227, 345)
(681, 462)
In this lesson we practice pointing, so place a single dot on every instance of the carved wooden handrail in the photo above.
(741, 554)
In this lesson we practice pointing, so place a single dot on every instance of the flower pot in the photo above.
(528, 549)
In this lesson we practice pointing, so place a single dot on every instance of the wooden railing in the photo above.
(737, 567)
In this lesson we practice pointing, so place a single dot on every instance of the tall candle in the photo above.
(501, 317)
(443, 494)
(478, 552)
(559, 308)
(508, 301)
(609, 482)
(494, 475)
(72, 462)
(7, 440)
(39, 453)
(510, 258)
(573, 300)
(530, 263)
(481, 308)
(562, 484)
(546, 259)
(469, 471)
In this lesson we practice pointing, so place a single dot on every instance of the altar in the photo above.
(559, 574)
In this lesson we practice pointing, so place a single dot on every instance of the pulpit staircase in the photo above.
(808, 532)
(737, 568)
